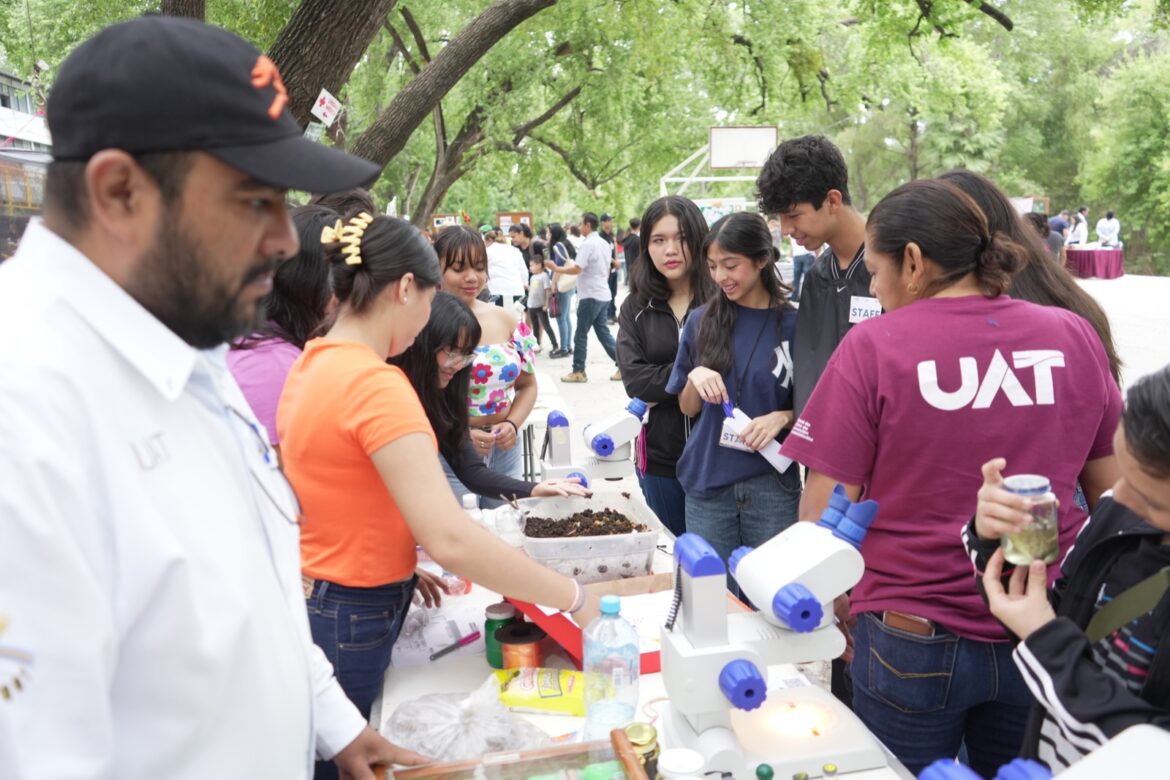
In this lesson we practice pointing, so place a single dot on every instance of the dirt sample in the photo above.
(585, 523)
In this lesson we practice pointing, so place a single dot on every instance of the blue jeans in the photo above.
(925, 696)
(800, 264)
(591, 313)
(750, 512)
(357, 628)
(564, 314)
(665, 497)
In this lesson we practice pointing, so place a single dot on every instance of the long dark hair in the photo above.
(747, 234)
(451, 326)
(556, 235)
(1041, 280)
(956, 237)
(646, 282)
(301, 288)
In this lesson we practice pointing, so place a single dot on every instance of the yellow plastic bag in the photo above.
(558, 691)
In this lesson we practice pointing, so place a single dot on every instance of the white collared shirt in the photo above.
(149, 553)
(506, 269)
(594, 259)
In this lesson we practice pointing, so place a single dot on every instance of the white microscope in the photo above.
(610, 443)
(715, 669)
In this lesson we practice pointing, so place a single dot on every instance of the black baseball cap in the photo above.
(606, 218)
(160, 84)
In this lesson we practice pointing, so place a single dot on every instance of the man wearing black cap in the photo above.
(154, 623)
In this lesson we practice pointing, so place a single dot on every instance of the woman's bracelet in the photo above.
(515, 427)
(579, 597)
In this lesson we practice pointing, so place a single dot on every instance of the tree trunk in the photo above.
(320, 45)
(389, 133)
(190, 8)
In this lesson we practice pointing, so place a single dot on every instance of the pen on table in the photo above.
(474, 635)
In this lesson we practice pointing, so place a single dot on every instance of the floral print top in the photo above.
(496, 369)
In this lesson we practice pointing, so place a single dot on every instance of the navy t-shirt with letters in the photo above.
(761, 348)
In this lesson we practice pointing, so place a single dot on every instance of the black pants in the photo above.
(613, 280)
(538, 317)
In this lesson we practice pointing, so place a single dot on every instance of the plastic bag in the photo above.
(459, 727)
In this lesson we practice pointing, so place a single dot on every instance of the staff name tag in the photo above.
(863, 308)
(731, 440)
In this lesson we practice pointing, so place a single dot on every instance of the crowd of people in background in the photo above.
(227, 434)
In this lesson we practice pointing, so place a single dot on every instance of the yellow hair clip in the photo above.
(331, 234)
(349, 236)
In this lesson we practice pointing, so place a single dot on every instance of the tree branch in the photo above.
(760, 80)
(1004, 20)
(519, 132)
(400, 46)
(389, 133)
(416, 33)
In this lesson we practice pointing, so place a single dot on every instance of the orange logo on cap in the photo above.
(264, 73)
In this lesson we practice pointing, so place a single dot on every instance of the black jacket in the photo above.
(483, 481)
(1078, 705)
(647, 344)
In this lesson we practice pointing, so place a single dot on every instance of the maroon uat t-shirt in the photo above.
(913, 403)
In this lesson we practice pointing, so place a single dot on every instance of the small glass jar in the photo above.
(496, 617)
(1039, 539)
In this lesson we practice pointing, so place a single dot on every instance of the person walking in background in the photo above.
(592, 271)
(631, 245)
(564, 286)
(538, 295)
(998, 375)
(667, 282)
(735, 350)
(1109, 230)
(150, 543)
(805, 183)
(507, 271)
(1052, 240)
(606, 233)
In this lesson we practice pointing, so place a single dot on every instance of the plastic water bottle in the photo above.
(611, 671)
(471, 507)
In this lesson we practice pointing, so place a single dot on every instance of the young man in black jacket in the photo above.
(1089, 691)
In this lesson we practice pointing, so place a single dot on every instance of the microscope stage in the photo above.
(803, 730)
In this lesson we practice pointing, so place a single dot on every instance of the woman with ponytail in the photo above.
(363, 458)
(910, 407)
(735, 350)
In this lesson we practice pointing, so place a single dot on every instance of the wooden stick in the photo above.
(627, 756)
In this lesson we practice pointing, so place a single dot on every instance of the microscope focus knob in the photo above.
(602, 444)
(797, 608)
(743, 685)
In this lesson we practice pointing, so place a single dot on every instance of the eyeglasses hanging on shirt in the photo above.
(269, 456)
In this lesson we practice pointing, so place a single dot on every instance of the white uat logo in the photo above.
(999, 377)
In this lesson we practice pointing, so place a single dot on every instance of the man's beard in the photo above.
(177, 283)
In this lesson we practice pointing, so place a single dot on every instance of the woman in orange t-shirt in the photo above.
(359, 451)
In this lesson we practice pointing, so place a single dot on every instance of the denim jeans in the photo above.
(925, 696)
(356, 628)
(750, 512)
(800, 264)
(666, 499)
(591, 313)
(564, 317)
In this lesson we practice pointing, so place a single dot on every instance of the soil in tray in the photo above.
(585, 523)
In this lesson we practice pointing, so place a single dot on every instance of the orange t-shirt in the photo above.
(341, 404)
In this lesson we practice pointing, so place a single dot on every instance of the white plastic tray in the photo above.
(595, 558)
